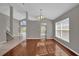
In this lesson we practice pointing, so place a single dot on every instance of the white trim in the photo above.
(38, 38)
(33, 38)
(9, 45)
(3, 42)
(61, 29)
(67, 46)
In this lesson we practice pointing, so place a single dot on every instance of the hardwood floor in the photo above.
(36, 47)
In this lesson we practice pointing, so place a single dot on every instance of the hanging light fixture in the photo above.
(43, 27)
(40, 14)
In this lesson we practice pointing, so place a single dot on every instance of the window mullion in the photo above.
(61, 29)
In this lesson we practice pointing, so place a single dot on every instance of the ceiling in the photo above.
(49, 10)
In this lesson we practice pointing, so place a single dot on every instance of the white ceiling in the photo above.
(49, 10)
(5, 9)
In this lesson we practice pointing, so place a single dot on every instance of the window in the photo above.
(43, 30)
(62, 29)
(23, 22)
(23, 27)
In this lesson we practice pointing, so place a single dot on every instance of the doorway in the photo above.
(43, 30)
(23, 28)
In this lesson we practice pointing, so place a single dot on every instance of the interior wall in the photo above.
(49, 29)
(3, 27)
(33, 29)
(50, 25)
(15, 27)
(74, 28)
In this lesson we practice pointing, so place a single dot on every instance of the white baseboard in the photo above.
(38, 38)
(33, 38)
(66, 46)
(3, 42)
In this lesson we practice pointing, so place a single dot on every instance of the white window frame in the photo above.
(61, 37)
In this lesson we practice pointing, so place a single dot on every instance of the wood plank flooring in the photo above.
(36, 47)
